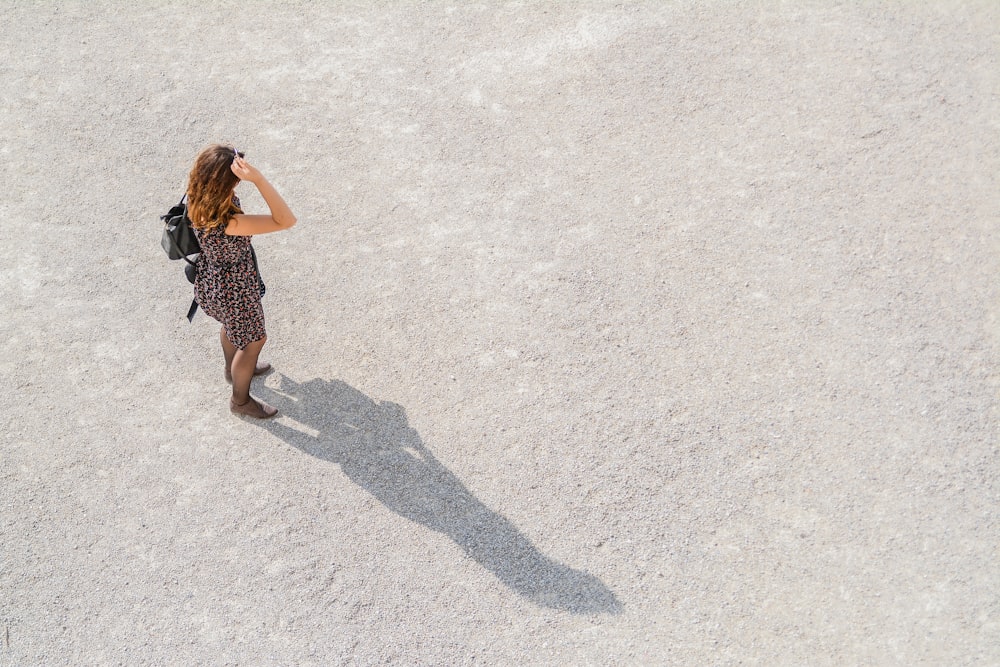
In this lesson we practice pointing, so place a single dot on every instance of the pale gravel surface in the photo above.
(611, 334)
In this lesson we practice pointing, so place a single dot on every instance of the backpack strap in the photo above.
(260, 280)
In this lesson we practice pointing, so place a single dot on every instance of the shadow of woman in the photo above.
(376, 448)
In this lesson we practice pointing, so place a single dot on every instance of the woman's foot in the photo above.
(261, 368)
(252, 408)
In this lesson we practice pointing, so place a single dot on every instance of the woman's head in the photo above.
(210, 187)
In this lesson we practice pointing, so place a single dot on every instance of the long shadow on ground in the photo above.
(376, 448)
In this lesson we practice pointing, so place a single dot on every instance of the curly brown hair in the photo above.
(210, 188)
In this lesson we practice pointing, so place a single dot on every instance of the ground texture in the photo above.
(611, 333)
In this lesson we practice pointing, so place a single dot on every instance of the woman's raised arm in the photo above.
(249, 225)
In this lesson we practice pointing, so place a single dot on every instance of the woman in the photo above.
(228, 286)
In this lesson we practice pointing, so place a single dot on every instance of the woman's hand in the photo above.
(246, 171)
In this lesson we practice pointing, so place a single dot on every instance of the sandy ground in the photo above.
(611, 334)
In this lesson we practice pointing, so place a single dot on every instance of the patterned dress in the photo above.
(227, 286)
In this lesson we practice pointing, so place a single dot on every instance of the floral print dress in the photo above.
(227, 286)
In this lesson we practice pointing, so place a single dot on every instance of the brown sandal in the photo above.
(252, 408)
(259, 370)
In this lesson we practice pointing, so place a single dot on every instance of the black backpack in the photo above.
(179, 242)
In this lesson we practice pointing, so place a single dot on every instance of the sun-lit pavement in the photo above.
(610, 334)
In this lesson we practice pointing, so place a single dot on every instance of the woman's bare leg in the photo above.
(244, 364)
